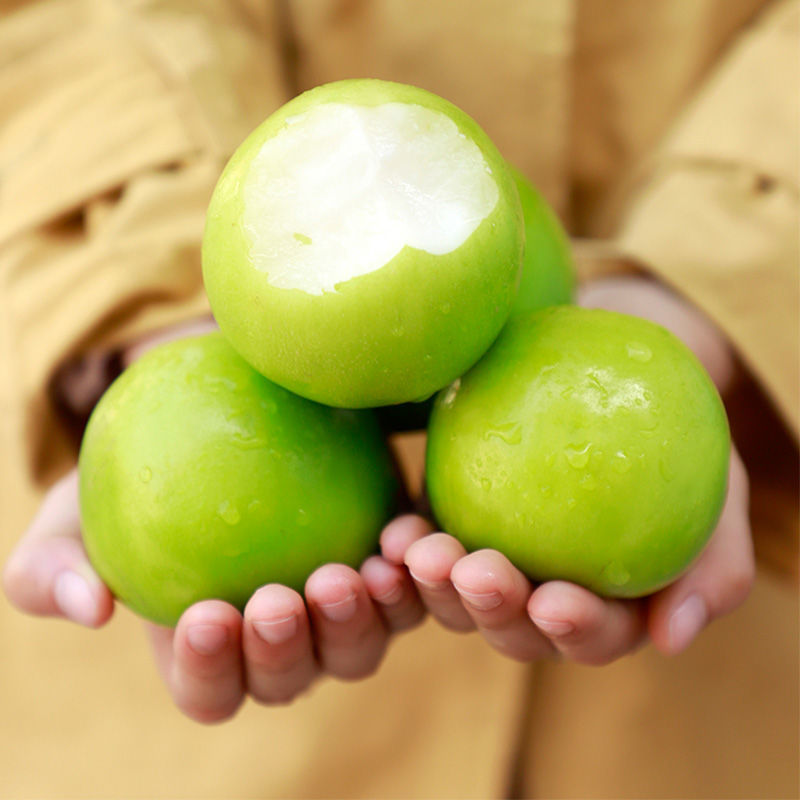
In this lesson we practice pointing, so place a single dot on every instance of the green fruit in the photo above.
(201, 479)
(548, 274)
(587, 446)
(548, 279)
(363, 245)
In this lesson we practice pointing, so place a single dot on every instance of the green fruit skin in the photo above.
(397, 334)
(587, 446)
(201, 479)
(548, 273)
(547, 279)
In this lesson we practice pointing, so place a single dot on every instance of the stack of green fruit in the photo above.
(365, 248)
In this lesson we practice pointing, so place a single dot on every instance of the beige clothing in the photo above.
(667, 129)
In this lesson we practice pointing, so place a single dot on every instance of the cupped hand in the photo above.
(216, 656)
(484, 591)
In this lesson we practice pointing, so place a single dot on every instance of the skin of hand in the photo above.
(283, 641)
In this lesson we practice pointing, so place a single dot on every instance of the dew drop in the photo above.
(254, 506)
(509, 432)
(452, 392)
(588, 482)
(486, 484)
(228, 512)
(620, 462)
(666, 470)
(578, 456)
(616, 573)
(302, 518)
(639, 352)
(145, 474)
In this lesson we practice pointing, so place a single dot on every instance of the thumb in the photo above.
(49, 573)
(718, 582)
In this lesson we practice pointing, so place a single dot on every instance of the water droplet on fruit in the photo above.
(639, 352)
(508, 432)
(145, 474)
(219, 383)
(546, 490)
(621, 463)
(228, 512)
(578, 456)
(302, 517)
(253, 506)
(486, 484)
(452, 391)
(446, 308)
(666, 470)
(616, 574)
(588, 482)
(571, 502)
(247, 441)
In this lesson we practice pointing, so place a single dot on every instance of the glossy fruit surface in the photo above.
(587, 446)
(548, 273)
(547, 279)
(363, 245)
(201, 479)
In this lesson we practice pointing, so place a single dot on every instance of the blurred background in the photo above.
(664, 134)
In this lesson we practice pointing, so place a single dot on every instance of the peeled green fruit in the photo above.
(199, 479)
(587, 446)
(363, 245)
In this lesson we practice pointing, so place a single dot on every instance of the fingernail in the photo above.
(276, 631)
(74, 597)
(207, 640)
(394, 595)
(686, 622)
(341, 610)
(482, 601)
(428, 584)
(554, 627)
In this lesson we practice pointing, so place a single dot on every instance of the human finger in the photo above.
(430, 561)
(393, 592)
(348, 633)
(584, 627)
(205, 673)
(400, 534)
(495, 595)
(49, 573)
(718, 582)
(278, 654)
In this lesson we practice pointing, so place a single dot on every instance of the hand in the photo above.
(216, 656)
(484, 591)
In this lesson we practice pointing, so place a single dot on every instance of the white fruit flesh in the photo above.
(342, 189)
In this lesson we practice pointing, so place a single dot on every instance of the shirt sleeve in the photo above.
(716, 212)
(115, 122)
(715, 216)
